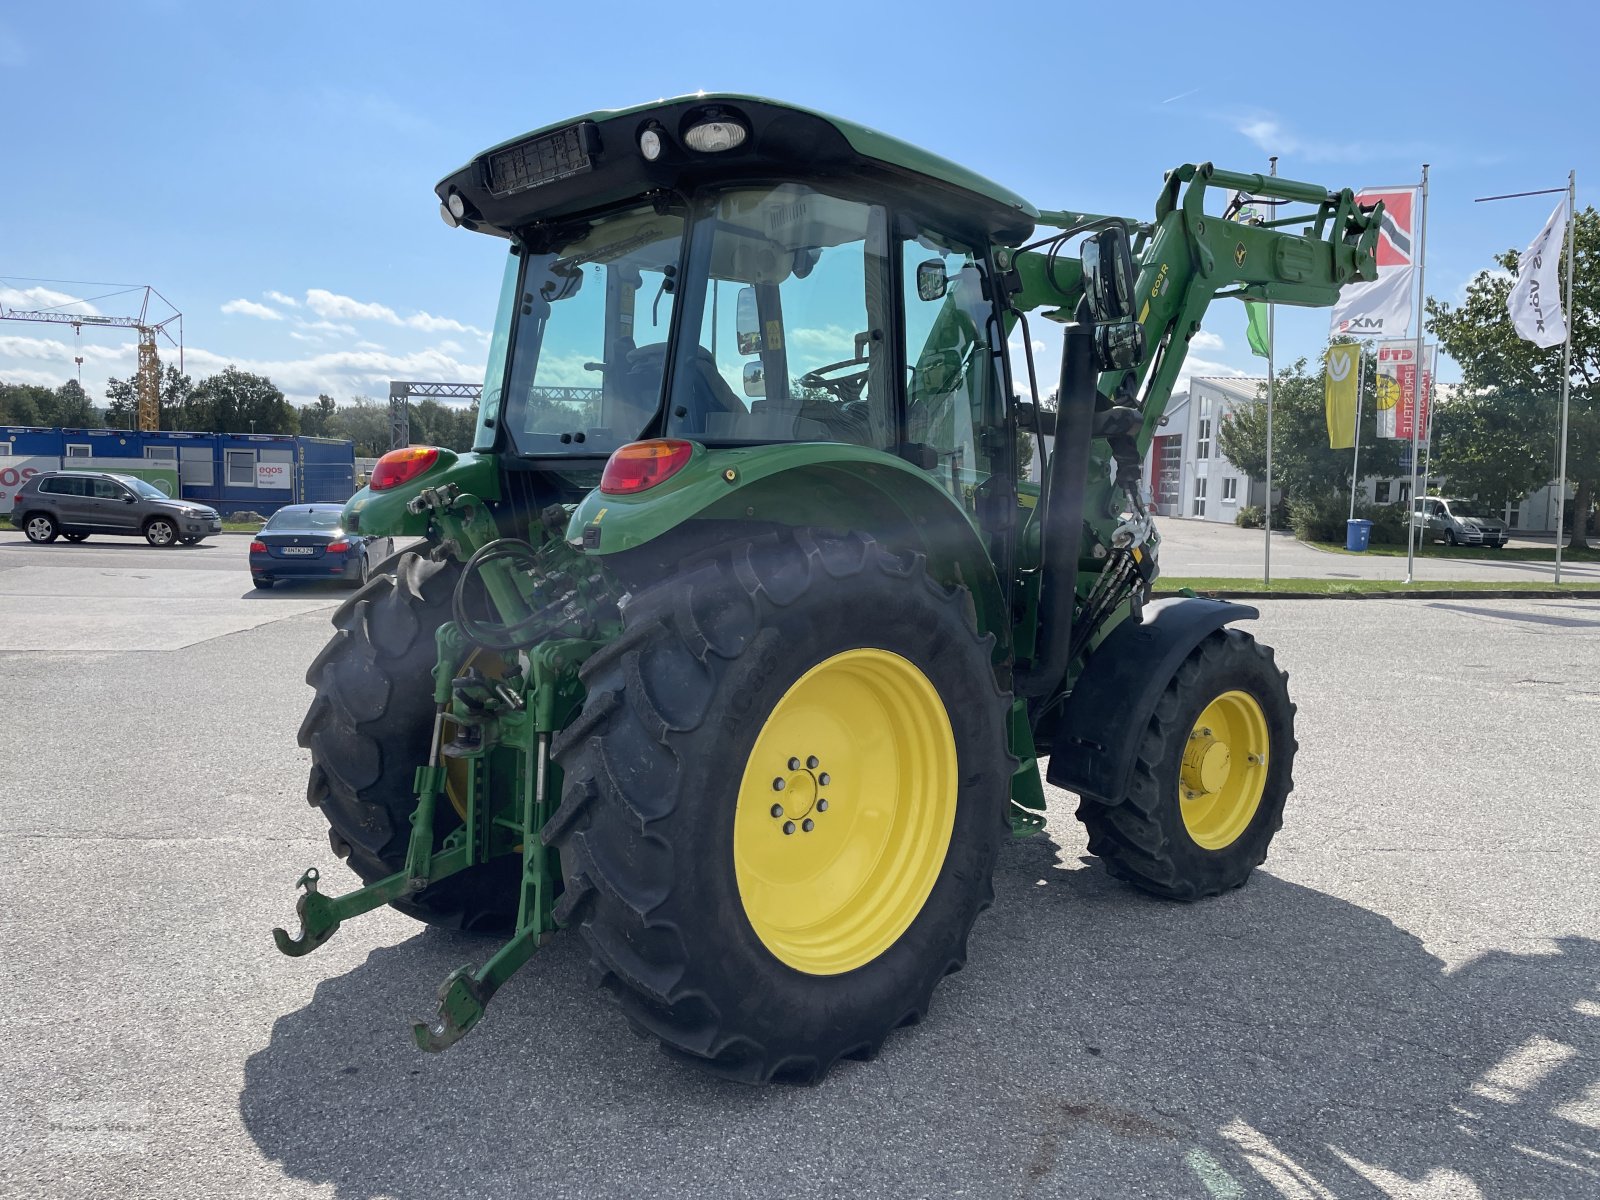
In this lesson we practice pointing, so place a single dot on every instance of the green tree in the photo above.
(73, 408)
(25, 404)
(1515, 385)
(1304, 468)
(240, 402)
(315, 418)
(365, 422)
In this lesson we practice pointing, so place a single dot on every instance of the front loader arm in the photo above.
(1187, 257)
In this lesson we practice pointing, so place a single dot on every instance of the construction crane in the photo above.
(147, 382)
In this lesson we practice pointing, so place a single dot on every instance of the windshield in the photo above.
(577, 354)
(316, 519)
(148, 490)
(1468, 508)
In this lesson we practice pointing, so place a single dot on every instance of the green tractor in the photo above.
(734, 642)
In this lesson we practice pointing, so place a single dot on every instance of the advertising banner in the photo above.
(1382, 307)
(1397, 388)
(1340, 379)
(1535, 301)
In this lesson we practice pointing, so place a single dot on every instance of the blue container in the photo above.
(1357, 535)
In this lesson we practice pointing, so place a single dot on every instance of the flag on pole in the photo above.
(1397, 387)
(1340, 379)
(1535, 301)
(1381, 307)
(1256, 333)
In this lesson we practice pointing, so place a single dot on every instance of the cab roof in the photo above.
(592, 160)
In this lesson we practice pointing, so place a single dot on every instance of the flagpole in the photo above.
(1566, 372)
(1416, 377)
(1266, 556)
(1355, 461)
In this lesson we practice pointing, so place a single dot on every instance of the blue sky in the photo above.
(270, 167)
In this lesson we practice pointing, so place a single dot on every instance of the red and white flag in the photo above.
(1381, 307)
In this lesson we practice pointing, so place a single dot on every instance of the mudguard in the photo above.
(1105, 716)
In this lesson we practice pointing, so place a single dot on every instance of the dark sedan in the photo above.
(309, 541)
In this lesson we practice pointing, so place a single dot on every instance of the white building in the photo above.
(1188, 475)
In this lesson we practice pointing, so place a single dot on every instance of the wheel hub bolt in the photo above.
(788, 826)
(794, 764)
(822, 806)
(808, 825)
(823, 779)
(812, 762)
(779, 784)
(777, 810)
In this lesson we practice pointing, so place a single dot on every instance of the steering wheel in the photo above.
(846, 389)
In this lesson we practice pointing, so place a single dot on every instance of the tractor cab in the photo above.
(733, 272)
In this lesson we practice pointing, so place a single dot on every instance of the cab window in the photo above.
(793, 334)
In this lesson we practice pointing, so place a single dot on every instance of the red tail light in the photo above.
(258, 547)
(639, 466)
(337, 547)
(398, 466)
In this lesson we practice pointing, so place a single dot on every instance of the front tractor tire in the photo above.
(1214, 769)
(370, 727)
(783, 801)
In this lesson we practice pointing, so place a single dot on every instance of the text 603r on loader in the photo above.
(731, 643)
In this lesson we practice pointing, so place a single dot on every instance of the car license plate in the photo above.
(298, 550)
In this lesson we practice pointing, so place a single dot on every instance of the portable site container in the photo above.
(231, 472)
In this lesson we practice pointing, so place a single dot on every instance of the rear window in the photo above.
(63, 486)
(320, 519)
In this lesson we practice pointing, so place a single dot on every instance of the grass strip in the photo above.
(1439, 550)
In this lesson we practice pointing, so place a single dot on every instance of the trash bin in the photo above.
(1357, 534)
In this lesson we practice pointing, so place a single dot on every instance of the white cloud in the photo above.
(280, 298)
(249, 308)
(330, 304)
(1206, 340)
(42, 298)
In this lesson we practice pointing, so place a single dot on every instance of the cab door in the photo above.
(955, 384)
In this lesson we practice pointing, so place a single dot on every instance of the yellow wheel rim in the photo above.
(1224, 770)
(845, 811)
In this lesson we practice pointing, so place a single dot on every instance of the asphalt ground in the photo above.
(1209, 549)
(1405, 1001)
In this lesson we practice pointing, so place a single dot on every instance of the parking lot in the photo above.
(1404, 1002)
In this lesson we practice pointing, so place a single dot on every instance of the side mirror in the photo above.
(755, 379)
(128, 497)
(932, 282)
(1119, 346)
(747, 322)
(1108, 275)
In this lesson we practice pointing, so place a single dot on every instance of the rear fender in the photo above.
(825, 485)
(1105, 716)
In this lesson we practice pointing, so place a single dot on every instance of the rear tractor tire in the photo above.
(369, 728)
(782, 804)
(1213, 772)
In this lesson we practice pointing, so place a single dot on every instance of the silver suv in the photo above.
(74, 504)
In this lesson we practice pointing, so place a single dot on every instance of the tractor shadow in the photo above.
(1276, 1041)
